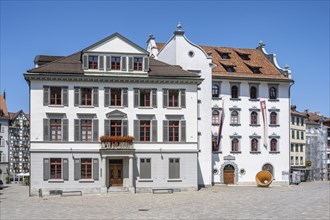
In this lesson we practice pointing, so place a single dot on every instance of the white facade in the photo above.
(178, 156)
(246, 164)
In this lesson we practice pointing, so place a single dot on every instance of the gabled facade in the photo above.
(112, 119)
(244, 104)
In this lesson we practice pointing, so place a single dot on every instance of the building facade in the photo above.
(4, 119)
(109, 118)
(298, 143)
(244, 104)
(19, 140)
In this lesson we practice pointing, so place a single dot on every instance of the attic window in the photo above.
(92, 62)
(244, 56)
(229, 68)
(224, 56)
(254, 69)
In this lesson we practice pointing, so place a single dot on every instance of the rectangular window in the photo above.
(296, 160)
(173, 97)
(297, 148)
(55, 168)
(86, 130)
(301, 148)
(138, 61)
(55, 129)
(145, 97)
(55, 95)
(115, 128)
(115, 63)
(174, 168)
(301, 161)
(302, 135)
(86, 96)
(115, 97)
(297, 134)
(292, 161)
(173, 131)
(92, 62)
(145, 168)
(292, 120)
(144, 130)
(86, 168)
(292, 147)
(292, 132)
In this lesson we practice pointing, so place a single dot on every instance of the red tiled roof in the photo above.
(3, 107)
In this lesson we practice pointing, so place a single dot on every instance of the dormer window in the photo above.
(115, 63)
(229, 68)
(254, 69)
(138, 62)
(224, 56)
(92, 62)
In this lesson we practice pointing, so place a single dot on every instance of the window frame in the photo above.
(145, 129)
(86, 126)
(273, 92)
(215, 117)
(55, 164)
(235, 145)
(115, 64)
(86, 91)
(51, 92)
(254, 118)
(53, 123)
(137, 66)
(114, 92)
(235, 122)
(254, 148)
(171, 98)
(143, 97)
(91, 63)
(272, 142)
(115, 126)
(215, 91)
(86, 165)
(173, 129)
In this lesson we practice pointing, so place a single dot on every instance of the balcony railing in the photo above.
(116, 142)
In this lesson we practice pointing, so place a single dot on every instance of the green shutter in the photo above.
(123, 64)
(154, 98)
(136, 98)
(65, 162)
(183, 131)
(101, 66)
(46, 168)
(130, 63)
(107, 127)
(77, 132)
(46, 130)
(77, 169)
(136, 130)
(85, 62)
(95, 97)
(95, 130)
(154, 130)
(165, 98)
(46, 95)
(107, 97)
(96, 169)
(165, 131)
(125, 128)
(108, 62)
(125, 97)
(146, 64)
(65, 96)
(183, 98)
(65, 134)
(76, 96)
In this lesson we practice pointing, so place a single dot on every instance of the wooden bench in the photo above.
(163, 190)
(72, 193)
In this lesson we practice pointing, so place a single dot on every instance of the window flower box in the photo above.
(117, 142)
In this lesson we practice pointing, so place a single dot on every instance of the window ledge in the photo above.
(254, 100)
(145, 180)
(235, 99)
(217, 152)
(235, 124)
(86, 106)
(86, 181)
(56, 180)
(253, 125)
(145, 107)
(274, 152)
(255, 152)
(215, 123)
(273, 100)
(116, 106)
(216, 98)
(175, 108)
(235, 152)
(56, 106)
(274, 125)
(174, 180)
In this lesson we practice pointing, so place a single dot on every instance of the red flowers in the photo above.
(116, 139)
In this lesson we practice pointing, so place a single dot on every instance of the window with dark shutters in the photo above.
(145, 168)
(174, 168)
(65, 169)
(123, 64)
(101, 66)
(46, 96)
(130, 63)
(96, 169)
(46, 168)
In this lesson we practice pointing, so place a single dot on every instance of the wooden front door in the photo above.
(229, 174)
(116, 172)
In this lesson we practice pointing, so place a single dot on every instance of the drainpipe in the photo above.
(291, 84)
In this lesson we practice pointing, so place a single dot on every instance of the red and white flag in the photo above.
(264, 119)
(221, 118)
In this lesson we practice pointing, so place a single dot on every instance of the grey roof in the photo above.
(46, 58)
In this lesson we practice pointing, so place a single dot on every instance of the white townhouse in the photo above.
(236, 82)
(109, 118)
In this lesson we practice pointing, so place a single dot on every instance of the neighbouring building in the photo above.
(109, 118)
(327, 123)
(4, 118)
(316, 147)
(298, 143)
(243, 109)
(19, 140)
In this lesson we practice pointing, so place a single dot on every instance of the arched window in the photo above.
(269, 168)
(272, 93)
(273, 145)
(215, 117)
(254, 118)
(234, 117)
(253, 92)
(215, 91)
(234, 92)
(254, 144)
(234, 145)
(273, 118)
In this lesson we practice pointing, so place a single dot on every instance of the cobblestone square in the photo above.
(306, 201)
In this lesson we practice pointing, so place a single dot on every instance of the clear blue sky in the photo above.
(297, 31)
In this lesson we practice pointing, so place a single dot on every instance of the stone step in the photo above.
(115, 189)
